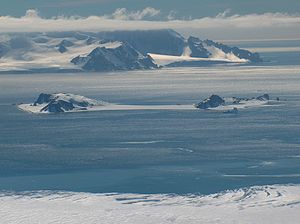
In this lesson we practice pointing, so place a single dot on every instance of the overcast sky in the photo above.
(216, 19)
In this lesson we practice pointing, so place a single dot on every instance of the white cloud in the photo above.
(171, 15)
(31, 13)
(252, 26)
(124, 14)
(224, 14)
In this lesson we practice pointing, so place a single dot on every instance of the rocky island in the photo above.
(232, 104)
(60, 102)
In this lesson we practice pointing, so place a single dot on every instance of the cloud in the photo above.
(31, 13)
(251, 26)
(124, 14)
(171, 15)
(223, 14)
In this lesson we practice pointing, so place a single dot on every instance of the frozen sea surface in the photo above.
(155, 151)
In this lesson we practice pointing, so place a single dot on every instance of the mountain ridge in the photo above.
(112, 51)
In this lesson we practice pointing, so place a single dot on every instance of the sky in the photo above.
(183, 8)
(216, 19)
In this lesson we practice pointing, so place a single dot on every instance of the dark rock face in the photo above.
(62, 46)
(264, 97)
(197, 48)
(62, 102)
(65, 43)
(43, 98)
(62, 49)
(211, 102)
(240, 53)
(95, 61)
(58, 106)
(123, 57)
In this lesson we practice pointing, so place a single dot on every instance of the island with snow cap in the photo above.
(60, 102)
(232, 104)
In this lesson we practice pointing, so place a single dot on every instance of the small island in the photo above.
(232, 104)
(61, 102)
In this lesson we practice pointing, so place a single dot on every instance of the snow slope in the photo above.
(170, 60)
(274, 204)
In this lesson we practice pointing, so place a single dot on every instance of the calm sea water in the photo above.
(154, 151)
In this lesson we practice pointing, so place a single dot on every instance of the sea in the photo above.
(156, 152)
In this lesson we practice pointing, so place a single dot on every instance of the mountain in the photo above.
(208, 48)
(197, 48)
(112, 51)
(121, 56)
(239, 53)
(211, 102)
(198, 53)
(164, 41)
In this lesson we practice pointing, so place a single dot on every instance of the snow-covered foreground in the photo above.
(265, 204)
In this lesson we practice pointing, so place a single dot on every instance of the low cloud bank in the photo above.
(252, 26)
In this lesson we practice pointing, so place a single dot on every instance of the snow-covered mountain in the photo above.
(111, 51)
(120, 57)
(209, 48)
